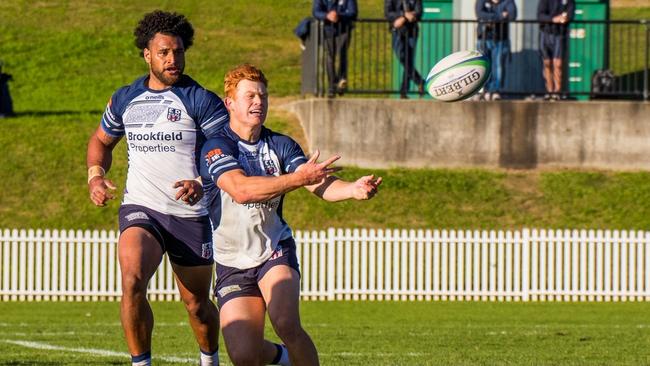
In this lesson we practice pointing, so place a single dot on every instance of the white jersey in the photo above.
(164, 131)
(245, 235)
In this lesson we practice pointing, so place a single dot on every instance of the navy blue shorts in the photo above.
(187, 241)
(552, 46)
(235, 282)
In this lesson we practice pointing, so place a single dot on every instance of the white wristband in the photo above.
(95, 171)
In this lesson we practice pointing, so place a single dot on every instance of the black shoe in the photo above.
(331, 94)
(403, 96)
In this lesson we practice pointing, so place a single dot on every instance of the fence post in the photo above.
(525, 265)
(331, 243)
(647, 61)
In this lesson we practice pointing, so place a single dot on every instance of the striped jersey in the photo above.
(245, 235)
(164, 132)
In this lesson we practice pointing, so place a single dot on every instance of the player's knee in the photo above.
(133, 285)
(201, 310)
(288, 329)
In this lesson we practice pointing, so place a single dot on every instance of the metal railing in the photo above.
(617, 53)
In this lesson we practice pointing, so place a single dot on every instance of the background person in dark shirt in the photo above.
(6, 104)
(338, 17)
(554, 16)
(494, 39)
(404, 16)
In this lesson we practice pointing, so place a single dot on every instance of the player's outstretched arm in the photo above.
(334, 189)
(249, 189)
(98, 160)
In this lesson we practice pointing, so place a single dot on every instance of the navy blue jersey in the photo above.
(245, 235)
(164, 132)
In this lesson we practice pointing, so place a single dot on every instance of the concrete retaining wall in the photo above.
(383, 133)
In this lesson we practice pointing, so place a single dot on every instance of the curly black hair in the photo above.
(159, 21)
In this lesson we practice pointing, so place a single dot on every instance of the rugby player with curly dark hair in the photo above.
(166, 117)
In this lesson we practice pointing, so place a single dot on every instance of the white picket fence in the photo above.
(525, 265)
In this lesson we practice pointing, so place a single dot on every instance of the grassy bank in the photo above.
(43, 186)
(67, 57)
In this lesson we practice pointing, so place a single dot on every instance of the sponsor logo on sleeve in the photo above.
(173, 114)
(213, 155)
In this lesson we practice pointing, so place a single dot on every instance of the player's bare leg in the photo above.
(194, 287)
(241, 319)
(242, 325)
(139, 255)
(548, 76)
(280, 287)
(557, 75)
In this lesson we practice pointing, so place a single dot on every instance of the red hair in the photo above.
(239, 73)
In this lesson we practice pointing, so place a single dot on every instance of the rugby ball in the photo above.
(458, 76)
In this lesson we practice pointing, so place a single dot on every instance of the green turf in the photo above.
(359, 333)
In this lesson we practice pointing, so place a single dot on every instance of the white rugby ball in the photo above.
(458, 76)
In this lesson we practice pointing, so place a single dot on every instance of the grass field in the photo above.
(354, 333)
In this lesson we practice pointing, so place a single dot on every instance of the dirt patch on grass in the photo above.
(630, 3)
(526, 194)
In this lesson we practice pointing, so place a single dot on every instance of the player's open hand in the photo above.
(314, 172)
(365, 187)
(101, 190)
(190, 192)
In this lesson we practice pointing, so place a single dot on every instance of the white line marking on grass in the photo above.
(52, 334)
(365, 354)
(158, 324)
(94, 351)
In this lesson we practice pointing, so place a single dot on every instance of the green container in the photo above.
(434, 40)
(588, 46)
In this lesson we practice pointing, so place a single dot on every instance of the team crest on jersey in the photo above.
(173, 114)
(269, 167)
